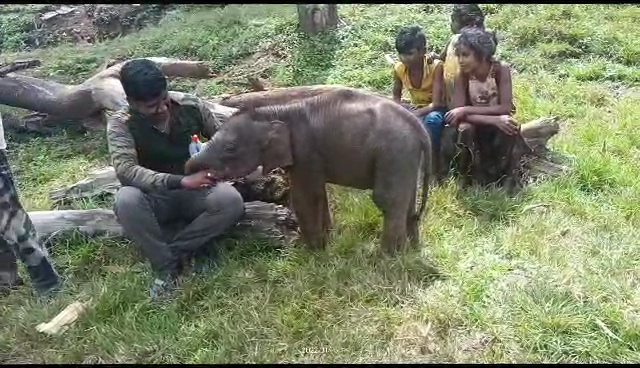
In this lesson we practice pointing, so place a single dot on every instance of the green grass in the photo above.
(549, 276)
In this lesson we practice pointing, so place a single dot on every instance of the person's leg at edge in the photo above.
(9, 278)
(19, 236)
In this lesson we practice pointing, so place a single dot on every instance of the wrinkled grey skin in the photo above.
(345, 137)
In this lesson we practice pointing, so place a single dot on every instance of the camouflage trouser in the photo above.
(18, 238)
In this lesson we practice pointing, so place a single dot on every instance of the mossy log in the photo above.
(260, 219)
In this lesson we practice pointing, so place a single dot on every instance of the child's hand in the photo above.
(454, 116)
(507, 124)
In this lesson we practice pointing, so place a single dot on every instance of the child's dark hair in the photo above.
(479, 41)
(468, 15)
(409, 38)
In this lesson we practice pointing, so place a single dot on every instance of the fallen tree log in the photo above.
(276, 96)
(271, 188)
(260, 219)
(84, 102)
(18, 65)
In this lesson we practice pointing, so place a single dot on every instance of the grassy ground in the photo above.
(549, 276)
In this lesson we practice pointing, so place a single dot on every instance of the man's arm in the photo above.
(125, 158)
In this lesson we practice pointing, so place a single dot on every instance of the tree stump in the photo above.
(510, 162)
(315, 18)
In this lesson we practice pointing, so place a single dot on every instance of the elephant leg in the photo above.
(327, 225)
(395, 186)
(394, 231)
(413, 233)
(307, 198)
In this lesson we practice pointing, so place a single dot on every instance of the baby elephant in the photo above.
(347, 137)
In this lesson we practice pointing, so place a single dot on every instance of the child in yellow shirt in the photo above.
(421, 75)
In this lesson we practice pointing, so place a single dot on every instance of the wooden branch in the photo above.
(100, 181)
(260, 219)
(18, 65)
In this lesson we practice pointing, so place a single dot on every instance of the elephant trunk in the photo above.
(200, 161)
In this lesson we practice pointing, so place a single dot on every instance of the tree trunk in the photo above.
(314, 18)
(260, 219)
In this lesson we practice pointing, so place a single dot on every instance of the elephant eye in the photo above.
(230, 148)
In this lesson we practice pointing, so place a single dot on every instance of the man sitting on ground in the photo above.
(148, 142)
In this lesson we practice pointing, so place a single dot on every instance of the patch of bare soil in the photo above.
(90, 23)
(254, 71)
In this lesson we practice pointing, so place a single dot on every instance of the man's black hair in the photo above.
(409, 38)
(142, 80)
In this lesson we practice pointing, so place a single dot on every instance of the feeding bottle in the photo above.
(195, 145)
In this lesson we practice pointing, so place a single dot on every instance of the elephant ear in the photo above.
(276, 151)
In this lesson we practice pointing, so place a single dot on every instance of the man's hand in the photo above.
(201, 179)
(454, 116)
(507, 124)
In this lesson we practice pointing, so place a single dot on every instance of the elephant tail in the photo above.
(426, 176)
